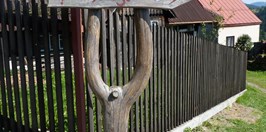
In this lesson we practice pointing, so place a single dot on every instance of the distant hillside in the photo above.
(261, 13)
(251, 6)
(259, 4)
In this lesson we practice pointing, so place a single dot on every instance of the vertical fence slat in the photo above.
(159, 80)
(172, 79)
(111, 45)
(57, 69)
(124, 48)
(38, 59)
(130, 61)
(7, 69)
(68, 70)
(2, 68)
(175, 94)
(182, 114)
(38, 67)
(77, 46)
(21, 60)
(152, 92)
(166, 53)
(13, 51)
(118, 45)
(163, 79)
(35, 48)
(153, 124)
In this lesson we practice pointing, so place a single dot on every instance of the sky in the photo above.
(252, 1)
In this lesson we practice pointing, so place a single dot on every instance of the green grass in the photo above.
(64, 99)
(257, 77)
(253, 98)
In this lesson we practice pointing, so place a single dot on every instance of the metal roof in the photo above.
(234, 12)
(191, 12)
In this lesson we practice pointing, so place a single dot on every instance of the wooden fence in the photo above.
(190, 75)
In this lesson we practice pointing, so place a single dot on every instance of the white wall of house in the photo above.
(253, 31)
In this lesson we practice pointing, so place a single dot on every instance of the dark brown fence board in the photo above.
(154, 102)
(21, 53)
(7, 70)
(163, 80)
(130, 64)
(66, 34)
(2, 69)
(13, 51)
(159, 80)
(38, 59)
(24, 90)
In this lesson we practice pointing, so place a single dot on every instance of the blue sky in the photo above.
(252, 1)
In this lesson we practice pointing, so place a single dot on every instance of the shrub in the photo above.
(244, 43)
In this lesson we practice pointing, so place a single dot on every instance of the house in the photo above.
(237, 19)
(189, 18)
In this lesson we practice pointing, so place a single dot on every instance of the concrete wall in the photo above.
(198, 120)
(253, 31)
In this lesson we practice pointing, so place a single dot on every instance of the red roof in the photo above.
(234, 12)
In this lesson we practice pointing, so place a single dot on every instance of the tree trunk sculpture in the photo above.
(116, 101)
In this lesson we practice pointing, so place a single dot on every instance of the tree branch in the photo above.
(137, 84)
(95, 81)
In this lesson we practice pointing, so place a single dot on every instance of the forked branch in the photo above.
(137, 84)
(132, 90)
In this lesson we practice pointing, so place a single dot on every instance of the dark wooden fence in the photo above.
(190, 75)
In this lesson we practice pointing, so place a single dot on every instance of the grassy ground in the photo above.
(252, 105)
(258, 78)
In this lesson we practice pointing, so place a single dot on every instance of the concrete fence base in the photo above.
(198, 120)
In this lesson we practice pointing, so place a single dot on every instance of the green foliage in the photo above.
(188, 129)
(207, 124)
(212, 34)
(261, 13)
(244, 43)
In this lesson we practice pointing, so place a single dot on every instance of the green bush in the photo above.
(244, 43)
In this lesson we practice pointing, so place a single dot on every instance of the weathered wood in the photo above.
(117, 100)
(166, 4)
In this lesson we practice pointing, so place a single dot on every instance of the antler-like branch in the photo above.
(137, 84)
(92, 55)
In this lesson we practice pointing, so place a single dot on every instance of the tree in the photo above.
(261, 13)
(244, 43)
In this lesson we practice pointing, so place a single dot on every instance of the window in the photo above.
(60, 42)
(154, 22)
(230, 41)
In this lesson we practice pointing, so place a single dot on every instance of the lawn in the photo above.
(253, 101)
(257, 77)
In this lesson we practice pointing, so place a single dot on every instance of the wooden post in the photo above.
(78, 67)
(116, 101)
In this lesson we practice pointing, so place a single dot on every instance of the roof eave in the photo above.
(192, 22)
(241, 24)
